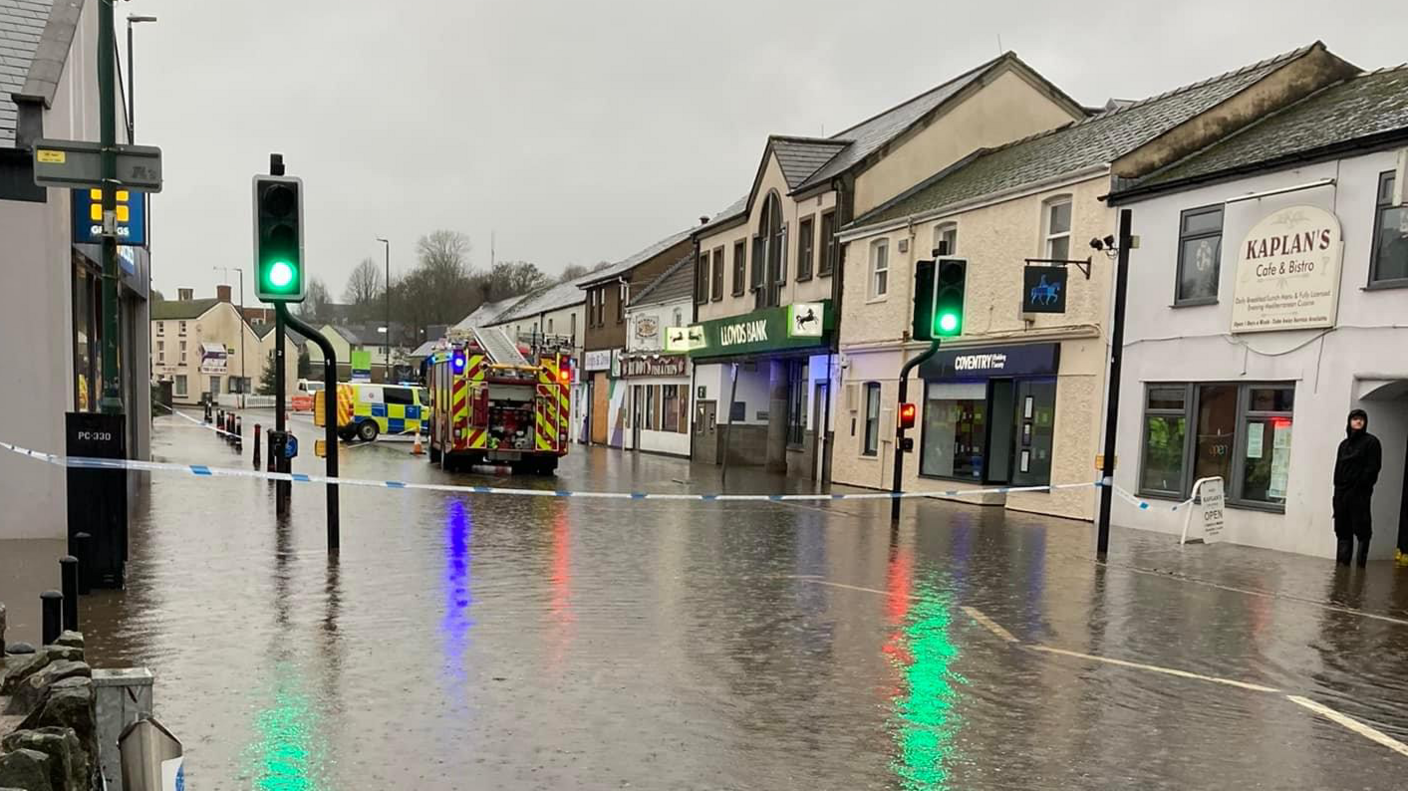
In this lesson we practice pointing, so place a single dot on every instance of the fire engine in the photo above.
(500, 400)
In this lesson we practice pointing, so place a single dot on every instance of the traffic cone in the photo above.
(416, 449)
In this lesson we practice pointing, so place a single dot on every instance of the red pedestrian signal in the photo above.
(906, 415)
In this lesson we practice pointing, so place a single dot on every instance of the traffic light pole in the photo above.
(329, 412)
(111, 400)
(898, 479)
(1112, 405)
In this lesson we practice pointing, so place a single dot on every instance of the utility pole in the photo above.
(1112, 405)
(111, 401)
(386, 370)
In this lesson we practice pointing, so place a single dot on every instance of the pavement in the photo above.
(489, 641)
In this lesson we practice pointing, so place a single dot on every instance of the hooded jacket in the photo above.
(1358, 460)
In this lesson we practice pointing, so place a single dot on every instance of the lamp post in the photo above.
(132, 19)
(386, 369)
(244, 381)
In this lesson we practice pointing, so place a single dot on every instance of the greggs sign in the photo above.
(1288, 272)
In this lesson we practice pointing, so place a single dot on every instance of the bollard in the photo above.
(256, 446)
(68, 567)
(51, 616)
(80, 549)
(239, 433)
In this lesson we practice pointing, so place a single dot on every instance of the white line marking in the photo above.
(1154, 669)
(1372, 734)
(990, 624)
(855, 588)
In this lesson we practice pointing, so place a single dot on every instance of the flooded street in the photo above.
(482, 641)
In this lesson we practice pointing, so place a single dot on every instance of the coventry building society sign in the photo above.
(1288, 271)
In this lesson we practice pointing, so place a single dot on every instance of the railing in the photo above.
(232, 401)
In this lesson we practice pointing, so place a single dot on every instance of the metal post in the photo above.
(131, 86)
(244, 380)
(728, 435)
(330, 424)
(282, 489)
(386, 370)
(111, 401)
(68, 567)
(51, 616)
(80, 548)
(1112, 405)
(256, 446)
(898, 475)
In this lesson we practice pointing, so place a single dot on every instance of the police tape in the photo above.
(1145, 505)
(205, 471)
(199, 423)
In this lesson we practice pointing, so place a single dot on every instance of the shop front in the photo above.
(596, 367)
(658, 393)
(762, 384)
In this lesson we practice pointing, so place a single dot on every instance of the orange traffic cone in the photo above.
(417, 450)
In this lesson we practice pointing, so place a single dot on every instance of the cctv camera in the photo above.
(1097, 245)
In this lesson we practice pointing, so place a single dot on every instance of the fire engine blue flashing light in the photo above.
(458, 361)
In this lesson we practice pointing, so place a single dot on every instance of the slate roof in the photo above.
(21, 26)
(178, 309)
(552, 297)
(627, 264)
(800, 157)
(730, 212)
(1364, 106)
(425, 349)
(350, 335)
(673, 285)
(486, 314)
(1094, 141)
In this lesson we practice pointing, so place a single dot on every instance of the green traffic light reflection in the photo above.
(925, 720)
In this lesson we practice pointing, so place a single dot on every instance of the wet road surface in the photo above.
(484, 642)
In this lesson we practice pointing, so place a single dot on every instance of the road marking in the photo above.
(990, 624)
(1168, 671)
(853, 587)
(1372, 734)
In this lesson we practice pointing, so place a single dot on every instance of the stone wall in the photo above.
(48, 737)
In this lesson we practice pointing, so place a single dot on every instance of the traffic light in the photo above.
(907, 415)
(949, 282)
(278, 239)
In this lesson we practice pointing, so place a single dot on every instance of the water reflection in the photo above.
(455, 622)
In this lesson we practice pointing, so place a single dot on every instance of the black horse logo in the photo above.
(803, 319)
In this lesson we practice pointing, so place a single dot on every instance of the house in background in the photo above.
(204, 349)
(657, 376)
(367, 343)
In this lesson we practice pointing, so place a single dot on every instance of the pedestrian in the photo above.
(1357, 466)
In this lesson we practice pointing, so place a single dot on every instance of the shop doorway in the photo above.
(818, 466)
(600, 399)
(637, 414)
(706, 442)
(1002, 396)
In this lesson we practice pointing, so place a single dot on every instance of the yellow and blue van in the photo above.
(366, 410)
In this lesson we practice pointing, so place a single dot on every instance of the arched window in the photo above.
(769, 272)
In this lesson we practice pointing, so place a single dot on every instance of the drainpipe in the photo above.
(838, 282)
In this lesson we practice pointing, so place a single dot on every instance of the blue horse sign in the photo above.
(1044, 289)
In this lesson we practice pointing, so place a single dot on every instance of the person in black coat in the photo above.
(1357, 466)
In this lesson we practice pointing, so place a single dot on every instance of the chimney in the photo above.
(222, 293)
(185, 294)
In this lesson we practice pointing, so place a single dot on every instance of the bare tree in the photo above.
(315, 308)
(364, 286)
(572, 272)
(444, 252)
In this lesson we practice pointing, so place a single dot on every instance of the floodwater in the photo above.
(486, 642)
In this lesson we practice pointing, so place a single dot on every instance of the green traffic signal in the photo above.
(950, 280)
(278, 239)
(948, 322)
(280, 274)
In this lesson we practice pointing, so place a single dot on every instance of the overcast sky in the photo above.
(583, 130)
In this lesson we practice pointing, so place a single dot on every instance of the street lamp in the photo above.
(132, 19)
(386, 370)
(244, 381)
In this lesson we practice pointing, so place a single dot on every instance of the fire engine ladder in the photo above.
(499, 346)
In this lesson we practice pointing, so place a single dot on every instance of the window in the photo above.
(828, 243)
(239, 384)
(806, 242)
(796, 403)
(160, 328)
(397, 395)
(549, 325)
(1241, 433)
(879, 269)
(214, 386)
(181, 385)
(183, 328)
(1057, 228)
(572, 322)
(945, 239)
(740, 266)
(872, 419)
(955, 430)
(701, 278)
(717, 289)
(183, 352)
(755, 275)
(679, 318)
(161, 351)
(650, 417)
(622, 295)
(1199, 255)
(1389, 262)
(670, 409)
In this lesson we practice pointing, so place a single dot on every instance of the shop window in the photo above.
(1240, 433)
(955, 427)
(740, 266)
(828, 244)
(1056, 228)
(717, 290)
(670, 409)
(650, 418)
(796, 403)
(1199, 255)
(1390, 253)
(945, 239)
(86, 321)
(872, 419)
(180, 389)
(806, 242)
(879, 269)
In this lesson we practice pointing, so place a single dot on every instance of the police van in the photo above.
(366, 410)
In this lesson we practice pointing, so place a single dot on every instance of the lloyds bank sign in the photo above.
(799, 326)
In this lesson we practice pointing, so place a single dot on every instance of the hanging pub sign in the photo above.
(1288, 272)
(653, 364)
(1044, 289)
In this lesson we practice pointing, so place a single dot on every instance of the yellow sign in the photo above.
(95, 209)
(51, 157)
(1100, 461)
(320, 448)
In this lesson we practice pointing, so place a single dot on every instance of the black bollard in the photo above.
(256, 446)
(239, 433)
(52, 616)
(68, 567)
(79, 547)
